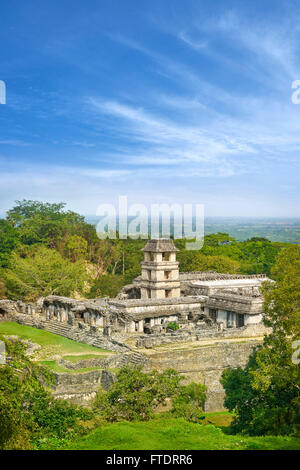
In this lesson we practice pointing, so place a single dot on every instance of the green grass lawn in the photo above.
(82, 357)
(51, 344)
(165, 433)
(218, 418)
(55, 367)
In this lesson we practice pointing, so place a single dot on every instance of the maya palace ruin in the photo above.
(159, 296)
(219, 318)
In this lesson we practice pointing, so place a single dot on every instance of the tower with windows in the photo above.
(160, 273)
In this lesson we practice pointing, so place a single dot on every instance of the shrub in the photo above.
(189, 402)
(173, 325)
(107, 285)
(28, 411)
(41, 271)
(135, 395)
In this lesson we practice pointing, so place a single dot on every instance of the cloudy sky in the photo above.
(165, 101)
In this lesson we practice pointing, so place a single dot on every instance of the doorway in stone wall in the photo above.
(213, 314)
(240, 320)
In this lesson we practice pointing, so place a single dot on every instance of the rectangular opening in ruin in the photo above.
(213, 314)
(230, 319)
(165, 256)
(168, 293)
(148, 293)
(167, 274)
(149, 275)
(240, 320)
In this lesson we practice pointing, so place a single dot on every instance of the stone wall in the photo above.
(205, 365)
(80, 333)
(213, 275)
(82, 387)
(112, 362)
(197, 363)
(183, 336)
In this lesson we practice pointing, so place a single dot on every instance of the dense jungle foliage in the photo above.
(45, 249)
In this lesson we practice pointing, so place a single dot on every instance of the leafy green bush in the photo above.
(197, 261)
(9, 240)
(107, 285)
(28, 411)
(41, 271)
(173, 325)
(189, 402)
(265, 394)
(135, 395)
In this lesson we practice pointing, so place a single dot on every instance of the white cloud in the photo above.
(18, 143)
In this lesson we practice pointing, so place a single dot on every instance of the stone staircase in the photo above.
(133, 358)
(82, 335)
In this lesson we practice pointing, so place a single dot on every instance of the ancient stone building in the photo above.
(219, 318)
(162, 295)
(160, 273)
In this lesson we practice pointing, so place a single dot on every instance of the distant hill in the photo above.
(242, 228)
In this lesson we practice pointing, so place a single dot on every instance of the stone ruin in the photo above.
(160, 296)
(213, 309)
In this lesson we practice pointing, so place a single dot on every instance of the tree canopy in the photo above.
(29, 413)
(265, 395)
(34, 223)
(43, 271)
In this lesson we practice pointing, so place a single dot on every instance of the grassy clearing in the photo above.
(55, 367)
(83, 357)
(51, 344)
(175, 434)
(221, 419)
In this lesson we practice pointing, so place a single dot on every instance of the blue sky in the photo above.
(165, 101)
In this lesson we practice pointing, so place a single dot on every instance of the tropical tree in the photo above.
(108, 285)
(41, 272)
(196, 261)
(29, 414)
(135, 394)
(76, 248)
(9, 240)
(265, 395)
(189, 402)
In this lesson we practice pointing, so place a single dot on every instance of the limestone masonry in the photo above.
(208, 307)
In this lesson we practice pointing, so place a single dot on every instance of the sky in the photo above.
(167, 101)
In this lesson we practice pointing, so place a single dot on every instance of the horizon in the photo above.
(246, 217)
(164, 102)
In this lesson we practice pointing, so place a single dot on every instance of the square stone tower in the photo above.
(160, 273)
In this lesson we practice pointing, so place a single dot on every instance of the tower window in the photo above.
(148, 293)
(167, 274)
(168, 293)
